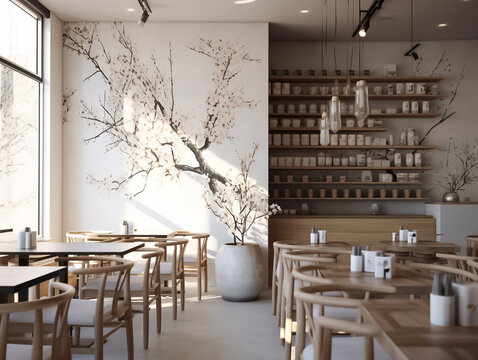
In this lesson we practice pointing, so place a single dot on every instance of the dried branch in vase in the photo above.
(240, 202)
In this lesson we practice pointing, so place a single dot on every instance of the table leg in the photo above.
(64, 274)
(23, 260)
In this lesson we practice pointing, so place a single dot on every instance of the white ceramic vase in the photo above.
(239, 272)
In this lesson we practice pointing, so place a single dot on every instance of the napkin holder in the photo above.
(383, 267)
(442, 301)
(466, 303)
(369, 260)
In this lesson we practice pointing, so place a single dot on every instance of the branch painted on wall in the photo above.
(447, 106)
(459, 167)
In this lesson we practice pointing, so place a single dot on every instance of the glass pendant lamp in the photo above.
(335, 122)
(324, 130)
(361, 101)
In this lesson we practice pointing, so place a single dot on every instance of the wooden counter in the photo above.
(354, 229)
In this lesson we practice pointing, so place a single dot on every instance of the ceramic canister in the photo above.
(285, 88)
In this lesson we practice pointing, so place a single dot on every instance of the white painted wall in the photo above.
(454, 222)
(461, 127)
(165, 205)
(52, 130)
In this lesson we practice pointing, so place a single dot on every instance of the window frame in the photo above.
(30, 7)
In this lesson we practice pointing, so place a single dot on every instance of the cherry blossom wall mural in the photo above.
(135, 112)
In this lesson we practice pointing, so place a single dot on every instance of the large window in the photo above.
(20, 120)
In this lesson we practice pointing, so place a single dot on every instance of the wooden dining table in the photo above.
(406, 281)
(145, 237)
(62, 249)
(406, 332)
(421, 247)
(18, 279)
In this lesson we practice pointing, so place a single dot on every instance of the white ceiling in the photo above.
(286, 21)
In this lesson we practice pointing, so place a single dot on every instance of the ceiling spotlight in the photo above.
(363, 30)
(130, 10)
(442, 25)
(146, 11)
(241, 2)
(413, 53)
(304, 11)
(144, 18)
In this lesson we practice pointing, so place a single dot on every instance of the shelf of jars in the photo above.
(297, 183)
(350, 199)
(405, 168)
(343, 79)
(317, 129)
(376, 115)
(354, 147)
(352, 97)
(370, 168)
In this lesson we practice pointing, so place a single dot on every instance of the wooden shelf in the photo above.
(343, 183)
(342, 79)
(367, 147)
(348, 168)
(351, 97)
(350, 198)
(316, 129)
(381, 115)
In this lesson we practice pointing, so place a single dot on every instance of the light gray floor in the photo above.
(211, 329)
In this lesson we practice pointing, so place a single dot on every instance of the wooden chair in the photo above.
(290, 260)
(86, 236)
(196, 265)
(473, 266)
(48, 341)
(472, 245)
(172, 270)
(462, 275)
(146, 287)
(311, 301)
(457, 261)
(114, 312)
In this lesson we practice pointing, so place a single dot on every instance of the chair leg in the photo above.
(76, 330)
(158, 312)
(129, 334)
(99, 341)
(183, 293)
(174, 289)
(368, 342)
(199, 275)
(145, 322)
(205, 277)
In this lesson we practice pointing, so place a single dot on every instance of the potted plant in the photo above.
(459, 169)
(240, 204)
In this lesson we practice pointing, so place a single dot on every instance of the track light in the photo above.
(146, 11)
(364, 21)
(412, 52)
(144, 18)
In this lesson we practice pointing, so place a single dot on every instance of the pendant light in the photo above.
(324, 130)
(361, 111)
(335, 122)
